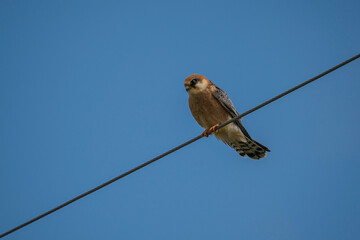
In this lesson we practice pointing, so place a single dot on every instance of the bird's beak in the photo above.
(187, 87)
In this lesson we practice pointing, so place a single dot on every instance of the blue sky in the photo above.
(90, 89)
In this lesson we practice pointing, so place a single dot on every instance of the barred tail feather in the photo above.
(250, 148)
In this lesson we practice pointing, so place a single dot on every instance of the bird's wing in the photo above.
(225, 101)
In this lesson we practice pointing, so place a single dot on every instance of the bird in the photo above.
(211, 106)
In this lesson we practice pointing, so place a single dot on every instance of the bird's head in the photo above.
(196, 83)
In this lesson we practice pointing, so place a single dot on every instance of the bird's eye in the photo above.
(193, 82)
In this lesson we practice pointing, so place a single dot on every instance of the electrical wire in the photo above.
(179, 147)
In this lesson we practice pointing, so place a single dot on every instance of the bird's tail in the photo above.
(250, 148)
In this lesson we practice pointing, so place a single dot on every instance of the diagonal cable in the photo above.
(178, 147)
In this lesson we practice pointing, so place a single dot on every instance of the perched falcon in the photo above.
(210, 107)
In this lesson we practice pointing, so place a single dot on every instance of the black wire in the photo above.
(288, 91)
(178, 147)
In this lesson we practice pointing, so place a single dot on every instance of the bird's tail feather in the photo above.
(250, 148)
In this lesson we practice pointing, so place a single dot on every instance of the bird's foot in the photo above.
(211, 130)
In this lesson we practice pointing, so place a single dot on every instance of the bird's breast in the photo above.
(206, 110)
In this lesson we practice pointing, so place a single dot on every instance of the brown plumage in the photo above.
(210, 106)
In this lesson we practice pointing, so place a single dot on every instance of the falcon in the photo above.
(210, 107)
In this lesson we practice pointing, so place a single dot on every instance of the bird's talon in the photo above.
(212, 129)
(205, 134)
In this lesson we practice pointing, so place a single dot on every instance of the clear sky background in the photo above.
(91, 89)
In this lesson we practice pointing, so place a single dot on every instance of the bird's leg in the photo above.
(204, 134)
(211, 130)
